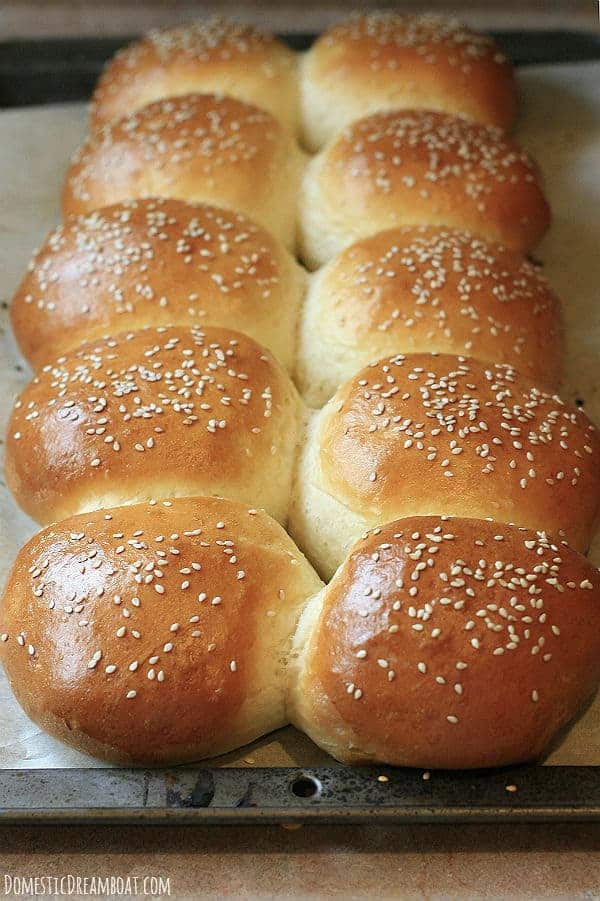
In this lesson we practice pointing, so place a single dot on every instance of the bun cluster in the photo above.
(387, 61)
(155, 633)
(378, 61)
(417, 289)
(213, 56)
(160, 412)
(157, 261)
(420, 168)
(424, 433)
(430, 470)
(199, 147)
(447, 643)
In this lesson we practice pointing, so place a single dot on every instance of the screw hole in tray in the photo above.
(306, 786)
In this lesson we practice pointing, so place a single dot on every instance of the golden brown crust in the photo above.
(386, 60)
(424, 168)
(418, 288)
(157, 412)
(197, 147)
(209, 55)
(452, 435)
(154, 634)
(450, 643)
(446, 165)
(156, 262)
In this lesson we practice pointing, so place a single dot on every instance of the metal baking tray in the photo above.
(285, 795)
(52, 71)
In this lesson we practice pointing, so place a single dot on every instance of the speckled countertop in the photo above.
(323, 862)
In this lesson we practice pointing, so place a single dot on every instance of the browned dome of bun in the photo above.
(157, 262)
(450, 643)
(418, 288)
(198, 147)
(385, 60)
(212, 55)
(423, 434)
(419, 167)
(155, 634)
(155, 413)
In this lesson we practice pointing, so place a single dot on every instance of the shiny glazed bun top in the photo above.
(420, 288)
(156, 262)
(159, 412)
(198, 147)
(419, 167)
(155, 633)
(214, 55)
(427, 433)
(385, 60)
(459, 434)
(448, 643)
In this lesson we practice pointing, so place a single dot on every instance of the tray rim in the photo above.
(265, 796)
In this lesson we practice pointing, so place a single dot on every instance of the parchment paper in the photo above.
(560, 125)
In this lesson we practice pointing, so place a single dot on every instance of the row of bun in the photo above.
(394, 404)
(180, 629)
(362, 65)
(408, 289)
(174, 411)
(411, 167)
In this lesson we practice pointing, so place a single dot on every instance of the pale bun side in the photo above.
(155, 634)
(197, 147)
(158, 412)
(419, 167)
(386, 60)
(420, 288)
(210, 56)
(447, 643)
(322, 525)
(157, 261)
(427, 433)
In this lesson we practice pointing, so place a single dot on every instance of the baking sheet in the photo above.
(560, 125)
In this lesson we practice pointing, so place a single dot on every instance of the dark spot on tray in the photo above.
(201, 795)
(246, 799)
